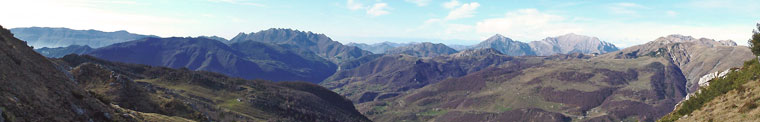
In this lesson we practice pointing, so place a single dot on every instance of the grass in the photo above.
(433, 112)
(503, 109)
(718, 86)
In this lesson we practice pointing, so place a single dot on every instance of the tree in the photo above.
(754, 43)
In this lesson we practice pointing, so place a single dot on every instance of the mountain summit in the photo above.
(571, 43)
(506, 45)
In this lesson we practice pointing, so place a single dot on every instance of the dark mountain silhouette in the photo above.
(320, 44)
(39, 37)
(250, 60)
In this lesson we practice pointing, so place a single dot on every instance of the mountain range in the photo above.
(564, 44)
(641, 83)
(61, 37)
(565, 78)
(84, 88)
(320, 44)
(377, 48)
(246, 59)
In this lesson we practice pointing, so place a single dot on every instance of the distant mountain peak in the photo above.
(678, 38)
(499, 37)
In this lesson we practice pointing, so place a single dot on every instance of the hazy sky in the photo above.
(623, 23)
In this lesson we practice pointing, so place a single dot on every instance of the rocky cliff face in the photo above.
(425, 49)
(695, 57)
(320, 44)
(61, 37)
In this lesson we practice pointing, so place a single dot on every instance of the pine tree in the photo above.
(754, 43)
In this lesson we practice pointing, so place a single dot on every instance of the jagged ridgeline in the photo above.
(84, 88)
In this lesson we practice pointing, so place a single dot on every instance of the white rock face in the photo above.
(704, 81)
(571, 43)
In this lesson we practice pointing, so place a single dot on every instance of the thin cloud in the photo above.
(353, 5)
(378, 9)
(419, 2)
(464, 11)
(451, 4)
(625, 8)
(240, 2)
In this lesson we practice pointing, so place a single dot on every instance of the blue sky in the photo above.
(624, 23)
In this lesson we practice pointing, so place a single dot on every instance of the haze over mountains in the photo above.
(564, 78)
(39, 37)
